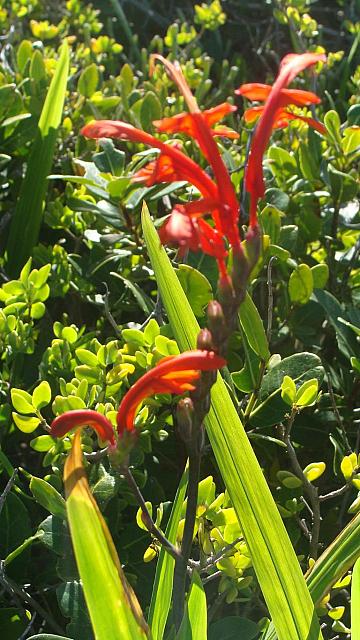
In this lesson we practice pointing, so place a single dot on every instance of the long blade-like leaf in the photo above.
(162, 589)
(113, 607)
(273, 556)
(355, 602)
(194, 623)
(333, 563)
(25, 224)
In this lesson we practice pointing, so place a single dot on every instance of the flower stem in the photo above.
(181, 565)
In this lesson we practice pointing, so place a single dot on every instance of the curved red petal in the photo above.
(254, 91)
(69, 420)
(151, 382)
(290, 66)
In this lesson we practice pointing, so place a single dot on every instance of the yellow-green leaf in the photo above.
(272, 554)
(22, 401)
(27, 424)
(114, 610)
(314, 470)
(41, 395)
(355, 602)
(301, 284)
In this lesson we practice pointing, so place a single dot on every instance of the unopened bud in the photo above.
(240, 273)
(226, 291)
(253, 245)
(204, 340)
(184, 417)
(217, 323)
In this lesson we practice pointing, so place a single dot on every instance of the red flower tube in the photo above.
(173, 165)
(197, 124)
(173, 374)
(69, 420)
(277, 98)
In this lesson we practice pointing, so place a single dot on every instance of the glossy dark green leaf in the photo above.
(197, 288)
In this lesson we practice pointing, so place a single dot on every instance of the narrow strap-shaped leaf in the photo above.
(273, 556)
(194, 623)
(162, 589)
(25, 224)
(355, 602)
(333, 563)
(113, 607)
(337, 558)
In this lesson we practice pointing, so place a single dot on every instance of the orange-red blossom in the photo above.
(186, 225)
(274, 114)
(173, 374)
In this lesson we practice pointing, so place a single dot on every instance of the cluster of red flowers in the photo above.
(186, 225)
(173, 374)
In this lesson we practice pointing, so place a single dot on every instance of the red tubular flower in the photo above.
(198, 125)
(173, 374)
(282, 118)
(276, 98)
(173, 165)
(260, 92)
(69, 420)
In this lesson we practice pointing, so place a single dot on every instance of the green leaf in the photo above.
(333, 125)
(22, 401)
(150, 110)
(72, 604)
(110, 160)
(301, 284)
(194, 623)
(233, 628)
(271, 222)
(289, 480)
(41, 395)
(37, 67)
(355, 602)
(288, 390)
(332, 565)
(314, 470)
(88, 81)
(197, 288)
(23, 54)
(15, 527)
(306, 394)
(282, 164)
(37, 310)
(343, 186)
(275, 563)
(26, 221)
(46, 495)
(253, 327)
(55, 535)
(27, 424)
(320, 273)
(163, 582)
(300, 367)
(110, 600)
(42, 443)
(334, 311)
(87, 357)
(139, 520)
